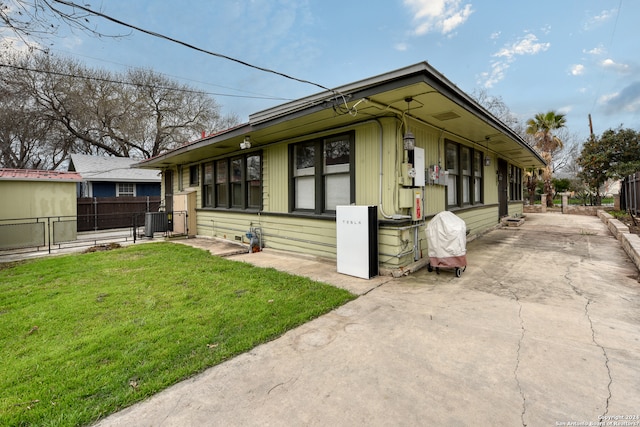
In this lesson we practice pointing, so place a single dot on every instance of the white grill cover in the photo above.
(447, 239)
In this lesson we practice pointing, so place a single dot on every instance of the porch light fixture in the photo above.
(246, 143)
(409, 140)
(487, 159)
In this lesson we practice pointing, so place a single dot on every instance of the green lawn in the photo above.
(82, 336)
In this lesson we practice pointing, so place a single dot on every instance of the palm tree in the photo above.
(542, 127)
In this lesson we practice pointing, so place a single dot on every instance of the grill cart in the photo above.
(447, 240)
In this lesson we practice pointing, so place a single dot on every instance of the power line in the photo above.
(190, 46)
(132, 67)
(106, 80)
(613, 33)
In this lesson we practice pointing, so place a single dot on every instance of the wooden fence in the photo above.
(102, 213)
(630, 193)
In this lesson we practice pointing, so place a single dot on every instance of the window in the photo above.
(222, 178)
(515, 183)
(451, 165)
(304, 173)
(207, 186)
(126, 189)
(337, 179)
(322, 174)
(194, 175)
(253, 182)
(465, 162)
(478, 167)
(234, 182)
(236, 179)
(465, 174)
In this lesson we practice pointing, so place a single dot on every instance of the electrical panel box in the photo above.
(407, 173)
(412, 172)
(437, 175)
(418, 164)
(417, 210)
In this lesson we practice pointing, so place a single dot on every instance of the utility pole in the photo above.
(590, 126)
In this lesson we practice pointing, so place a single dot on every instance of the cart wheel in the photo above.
(458, 272)
(429, 268)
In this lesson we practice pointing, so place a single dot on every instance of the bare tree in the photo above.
(34, 21)
(138, 114)
(565, 159)
(496, 106)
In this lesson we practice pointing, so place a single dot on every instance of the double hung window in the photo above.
(322, 174)
(465, 175)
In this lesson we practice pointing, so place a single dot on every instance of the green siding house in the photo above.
(408, 142)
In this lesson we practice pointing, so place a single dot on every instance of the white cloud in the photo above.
(612, 65)
(401, 47)
(441, 16)
(527, 45)
(497, 73)
(495, 36)
(598, 50)
(577, 69)
(566, 109)
(604, 99)
(597, 20)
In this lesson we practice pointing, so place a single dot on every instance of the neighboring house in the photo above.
(38, 207)
(113, 177)
(285, 171)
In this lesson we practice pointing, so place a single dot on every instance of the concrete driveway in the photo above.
(543, 329)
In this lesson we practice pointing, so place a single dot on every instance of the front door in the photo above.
(503, 188)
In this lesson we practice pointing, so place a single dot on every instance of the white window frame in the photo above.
(119, 193)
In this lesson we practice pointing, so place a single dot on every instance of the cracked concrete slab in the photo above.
(543, 328)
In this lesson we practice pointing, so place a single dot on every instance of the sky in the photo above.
(577, 57)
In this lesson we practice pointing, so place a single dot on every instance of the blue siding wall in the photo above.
(104, 189)
(143, 189)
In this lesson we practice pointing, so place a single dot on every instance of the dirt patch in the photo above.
(101, 248)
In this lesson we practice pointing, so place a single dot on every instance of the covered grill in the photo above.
(447, 240)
